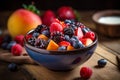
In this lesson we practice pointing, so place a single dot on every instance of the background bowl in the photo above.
(111, 30)
(60, 60)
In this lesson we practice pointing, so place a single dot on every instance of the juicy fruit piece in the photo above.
(19, 39)
(70, 47)
(85, 72)
(21, 21)
(55, 27)
(16, 50)
(52, 45)
(86, 41)
(64, 43)
(13, 67)
(79, 32)
(90, 35)
(48, 17)
(65, 12)
(102, 62)
(42, 36)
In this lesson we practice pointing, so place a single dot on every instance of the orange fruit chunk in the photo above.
(52, 45)
(42, 36)
(70, 48)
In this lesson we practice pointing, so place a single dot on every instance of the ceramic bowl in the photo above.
(111, 28)
(60, 60)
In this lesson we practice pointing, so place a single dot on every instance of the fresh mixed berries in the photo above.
(61, 35)
(15, 45)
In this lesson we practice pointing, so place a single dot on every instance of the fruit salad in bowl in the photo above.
(63, 45)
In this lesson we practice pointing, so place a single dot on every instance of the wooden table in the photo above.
(108, 48)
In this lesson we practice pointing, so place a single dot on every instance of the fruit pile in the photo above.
(15, 46)
(61, 35)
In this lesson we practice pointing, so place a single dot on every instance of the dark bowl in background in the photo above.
(60, 60)
(111, 30)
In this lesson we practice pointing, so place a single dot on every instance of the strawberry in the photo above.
(79, 33)
(55, 26)
(85, 72)
(90, 35)
(65, 12)
(48, 17)
(86, 41)
(64, 43)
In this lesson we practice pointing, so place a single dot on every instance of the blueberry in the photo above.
(85, 30)
(9, 46)
(13, 67)
(67, 38)
(7, 38)
(35, 34)
(46, 33)
(67, 21)
(102, 62)
(4, 45)
(62, 48)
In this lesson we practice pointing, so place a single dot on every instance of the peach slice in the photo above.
(52, 45)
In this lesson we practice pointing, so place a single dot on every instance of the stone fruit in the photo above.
(66, 12)
(21, 21)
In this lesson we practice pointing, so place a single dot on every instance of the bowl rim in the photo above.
(104, 12)
(48, 52)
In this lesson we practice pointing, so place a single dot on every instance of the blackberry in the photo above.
(40, 28)
(68, 31)
(57, 36)
(40, 43)
(31, 41)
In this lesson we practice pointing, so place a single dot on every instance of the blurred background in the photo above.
(6, 5)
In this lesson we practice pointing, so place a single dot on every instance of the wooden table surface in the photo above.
(108, 48)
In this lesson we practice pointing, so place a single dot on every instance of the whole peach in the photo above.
(21, 21)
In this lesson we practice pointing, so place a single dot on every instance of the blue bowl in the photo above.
(60, 60)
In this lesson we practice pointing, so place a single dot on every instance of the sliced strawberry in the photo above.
(79, 33)
(55, 26)
(64, 43)
(86, 41)
(90, 35)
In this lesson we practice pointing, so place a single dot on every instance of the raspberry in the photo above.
(55, 26)
(85, 72)
(90, 35)
(19, 39)
(16, 50)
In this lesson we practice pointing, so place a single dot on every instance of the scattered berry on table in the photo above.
(10, 44)
(16, 50)
(85, 72)
(4, 45)
(102, 62)
(7, 38)
(13, 67)
(19, 39)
